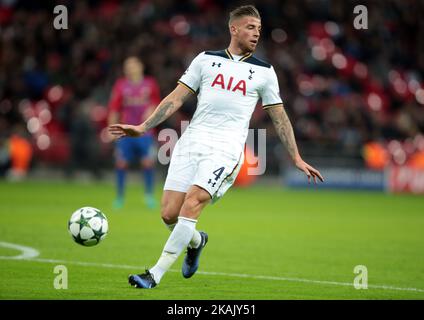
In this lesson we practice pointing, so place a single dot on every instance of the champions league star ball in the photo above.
(88, 226)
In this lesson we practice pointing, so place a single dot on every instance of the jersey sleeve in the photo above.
(192, 77)
(115, 102)
(270, 93)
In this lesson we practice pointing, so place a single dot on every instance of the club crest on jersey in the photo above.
(251, 73)
(231, 85)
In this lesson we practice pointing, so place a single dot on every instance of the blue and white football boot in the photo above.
(191, 260)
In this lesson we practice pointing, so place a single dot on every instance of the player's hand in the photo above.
(310, 171)
(125, 130)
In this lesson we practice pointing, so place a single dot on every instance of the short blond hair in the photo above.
(242, 11)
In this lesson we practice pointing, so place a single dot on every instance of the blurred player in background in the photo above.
(133, 99)
(209, 154)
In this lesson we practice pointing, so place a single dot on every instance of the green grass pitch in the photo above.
(264, 243)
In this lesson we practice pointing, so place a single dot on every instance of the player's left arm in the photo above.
(285, 131)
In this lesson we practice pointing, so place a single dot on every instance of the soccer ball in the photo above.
(88, 226)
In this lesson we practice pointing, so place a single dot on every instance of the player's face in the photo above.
(246, 30)
(133, 68)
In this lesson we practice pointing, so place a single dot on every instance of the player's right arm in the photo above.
(164, 110)
(187, 85)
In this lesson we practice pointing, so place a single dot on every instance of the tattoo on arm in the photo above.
(161, 113)
(284, 129)
(164, 111)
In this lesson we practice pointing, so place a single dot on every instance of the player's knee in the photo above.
(169, 213)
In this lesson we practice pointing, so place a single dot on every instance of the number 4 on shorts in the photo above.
(218, 173)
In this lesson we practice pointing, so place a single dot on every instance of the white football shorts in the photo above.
(213, 168)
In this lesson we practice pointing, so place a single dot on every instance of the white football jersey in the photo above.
(228, 91)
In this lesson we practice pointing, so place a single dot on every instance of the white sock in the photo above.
(195, 241)
(177, 241)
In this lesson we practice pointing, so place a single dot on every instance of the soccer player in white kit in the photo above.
(208, 156)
